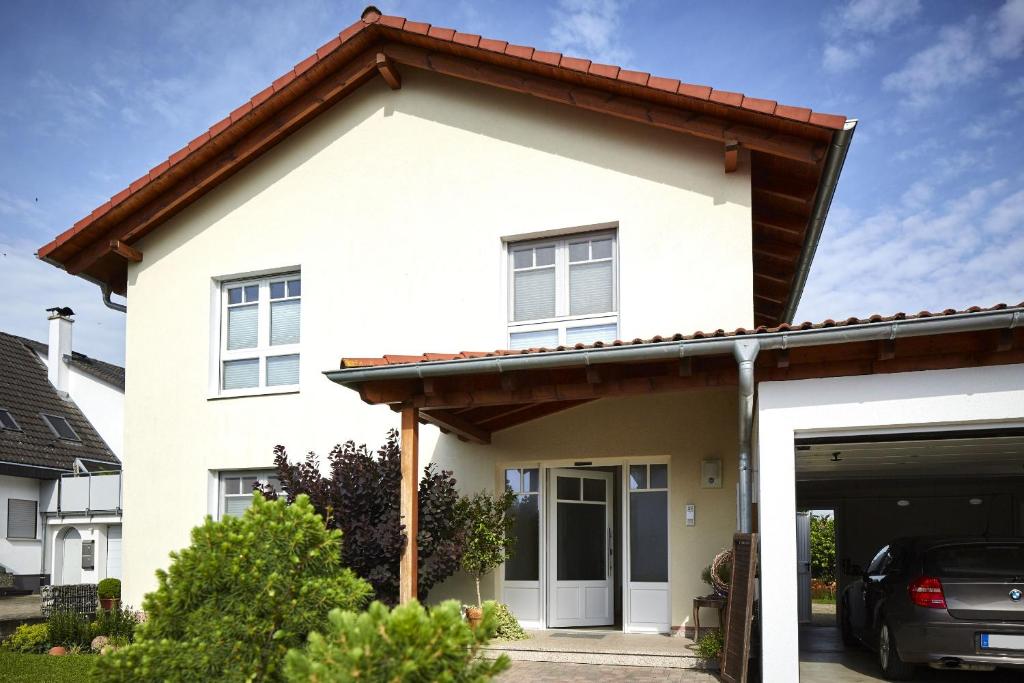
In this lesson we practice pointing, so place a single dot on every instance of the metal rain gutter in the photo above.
(837, 151)
(708, 346)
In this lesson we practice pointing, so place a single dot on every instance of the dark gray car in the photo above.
(950, 603)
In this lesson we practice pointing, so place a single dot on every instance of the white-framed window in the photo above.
(524, 564)
(236, 490)
(259, 334)
(563, 291)
(22, 516)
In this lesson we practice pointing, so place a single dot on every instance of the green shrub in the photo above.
(28, 638)
(232, 604)
(68, 629)
(115, 623)
(709, 646)
(109, 588)
(406, 644)
(506, 625)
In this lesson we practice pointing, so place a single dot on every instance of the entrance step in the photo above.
(600, 647)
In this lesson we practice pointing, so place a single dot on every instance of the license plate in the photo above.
(995, 641)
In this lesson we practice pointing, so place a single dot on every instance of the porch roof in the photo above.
(473, 394)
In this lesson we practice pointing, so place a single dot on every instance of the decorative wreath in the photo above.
(723, 560)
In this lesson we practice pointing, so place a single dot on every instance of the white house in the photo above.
(413, 190)
(61, 427)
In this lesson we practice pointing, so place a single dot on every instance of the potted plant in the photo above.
(489, 540)
(109, 591)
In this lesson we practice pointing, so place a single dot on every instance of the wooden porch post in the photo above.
(407, 571)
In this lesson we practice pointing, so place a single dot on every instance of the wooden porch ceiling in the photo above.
(475, 406)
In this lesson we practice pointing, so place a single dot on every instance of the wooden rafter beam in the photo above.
(688, 122)
(128, 253)
(783, 251)
(535, 412)
(388, 71)
(732, 156)
(460, 426)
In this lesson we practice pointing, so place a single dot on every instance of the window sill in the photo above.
(247, 393)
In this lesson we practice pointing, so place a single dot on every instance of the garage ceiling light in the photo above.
(903, 503)
(975, 501)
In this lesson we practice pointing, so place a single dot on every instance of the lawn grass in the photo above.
(21, 668)
(830, 600)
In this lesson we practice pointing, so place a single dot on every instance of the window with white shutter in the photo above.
(22, 516)
(563, 291)
(236, 490)
(260, 334)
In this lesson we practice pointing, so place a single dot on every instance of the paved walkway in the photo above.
(549, 672)
(20, 607)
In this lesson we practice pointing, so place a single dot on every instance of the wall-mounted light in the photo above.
(903, 503)
(975, 501)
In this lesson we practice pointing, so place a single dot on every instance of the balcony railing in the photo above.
(89, 493)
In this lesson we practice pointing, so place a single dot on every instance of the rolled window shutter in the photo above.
(590, 334)
(234, 506)
(242, 326)
(241, 374)
(284, 322)
(590, 288)
(534, 294)
(537, 339)
(21, 518)
(282, 370)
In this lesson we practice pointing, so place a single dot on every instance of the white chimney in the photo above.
(60, 346)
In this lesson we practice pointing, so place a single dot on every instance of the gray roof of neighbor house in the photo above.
(27, 394)
(101, 370)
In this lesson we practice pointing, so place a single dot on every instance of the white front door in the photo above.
(114, 551)
(581, 565)
(71, 557)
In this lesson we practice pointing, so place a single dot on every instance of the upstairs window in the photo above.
(563, 291)
(260, 324)
(7, 421)
(60, 427)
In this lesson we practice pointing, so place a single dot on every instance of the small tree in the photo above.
(823, 548)
(489, 538)
(361, 498)
(231, 605)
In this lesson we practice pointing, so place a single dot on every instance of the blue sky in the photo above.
(929, 212)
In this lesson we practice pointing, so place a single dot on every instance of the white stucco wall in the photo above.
(19, 556)
(394, 205)
(971, 397)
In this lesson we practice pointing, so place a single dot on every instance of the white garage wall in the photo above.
(967, 396)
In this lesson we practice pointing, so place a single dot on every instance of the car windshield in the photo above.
(976, 561)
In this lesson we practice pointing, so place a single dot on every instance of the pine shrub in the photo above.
(231, 605)
(407, 643)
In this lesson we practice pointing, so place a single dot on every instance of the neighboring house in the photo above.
(410, 188)
(61, 425)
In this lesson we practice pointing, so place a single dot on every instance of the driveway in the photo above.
(550, 672)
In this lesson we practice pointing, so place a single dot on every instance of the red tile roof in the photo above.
(390, 359)
(373, 20)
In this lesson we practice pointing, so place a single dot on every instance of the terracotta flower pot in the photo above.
(109, 603)
(474, 615)
(57, 650)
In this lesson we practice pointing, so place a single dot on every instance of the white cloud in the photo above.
(876, 16)
(838, 58)
(1007, 29)
(921, 254)
(955, 58)
(590, 28)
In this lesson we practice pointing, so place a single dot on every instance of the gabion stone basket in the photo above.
(80, 598)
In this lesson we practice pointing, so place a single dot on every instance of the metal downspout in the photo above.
(745, 352)
(121, 308)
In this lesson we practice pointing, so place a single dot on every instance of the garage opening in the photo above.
(880, 487)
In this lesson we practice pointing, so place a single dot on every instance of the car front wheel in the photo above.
(893, 668)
